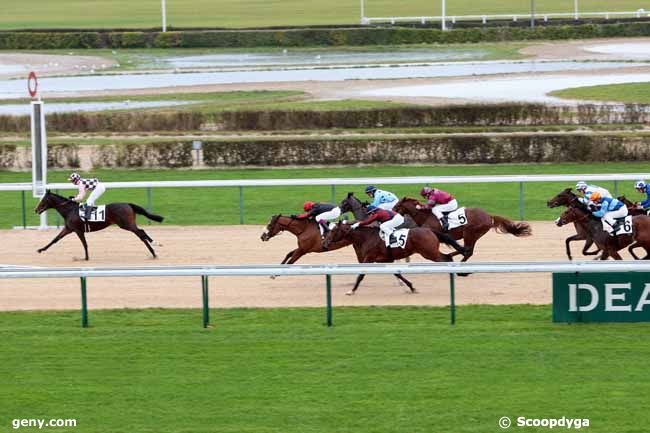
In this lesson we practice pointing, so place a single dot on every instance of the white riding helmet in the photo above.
(581, 186)
(640, 185)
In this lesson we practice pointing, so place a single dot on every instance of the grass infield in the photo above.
(213, 206)
(386, 369)
(632, 93)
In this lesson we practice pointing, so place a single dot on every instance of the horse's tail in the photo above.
(448, 240)
(141, 211)
(504, 225)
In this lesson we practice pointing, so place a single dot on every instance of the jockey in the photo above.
(439, 201)
(381, 199)
(587, 190)
(322, 212)
(642, 187)
(610, 210)
(389, 221)
(91, 184)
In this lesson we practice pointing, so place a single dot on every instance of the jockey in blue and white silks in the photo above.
(610, 210)
(381, 199)
(587, 190)
(642, 187)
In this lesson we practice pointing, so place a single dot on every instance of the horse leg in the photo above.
(82, 238)
(289, 254)
(360, 278)
(407, 282)
(146, 236)
(615, 255)
(295, 255)
(145, 240)
(631, 248)
(588, 243)
(66, 231)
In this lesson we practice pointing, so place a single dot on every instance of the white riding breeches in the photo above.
(98, 191)
(610, 217)
(388, 206)
(329, 215)
(389, 226)
(438, 209)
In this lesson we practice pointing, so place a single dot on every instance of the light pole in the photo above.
(164, 16)
(575, 10)
(532, 14)
(443, 23)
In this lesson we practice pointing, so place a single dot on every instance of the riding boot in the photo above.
(445, 222)
(88, 210)
(322, 225)
(391, 239)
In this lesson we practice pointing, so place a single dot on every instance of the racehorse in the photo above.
(122, 214)
(309, 239)
(568, 198)
(479, 223)
(371, 249)
(610, 245)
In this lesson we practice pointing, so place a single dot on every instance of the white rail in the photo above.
(347, 181)
(292, 270)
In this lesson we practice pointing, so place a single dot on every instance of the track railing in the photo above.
(334, 182)
(205, 271)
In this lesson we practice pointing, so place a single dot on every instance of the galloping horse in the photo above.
(122, 214)
(569, 199)
(479, 223)
(371, 249)
(309, 240)
(593, 226)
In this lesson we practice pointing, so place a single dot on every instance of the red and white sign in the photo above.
(32, 84)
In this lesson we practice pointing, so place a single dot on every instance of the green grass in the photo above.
(188, 206)
(250, 13)
(386, 369)
(638, 93)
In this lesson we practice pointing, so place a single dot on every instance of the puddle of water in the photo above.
(12, 69)
(517, 89)
(16, 88)
(633, 50)
(290, 57)
(55, 107)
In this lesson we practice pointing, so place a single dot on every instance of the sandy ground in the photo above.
(235, 245)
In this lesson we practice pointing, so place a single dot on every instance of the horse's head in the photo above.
(46, 202)
(336, 234)
(565, 198)
(407, 206)
(572, 214)
(354, 205)
(272, 228)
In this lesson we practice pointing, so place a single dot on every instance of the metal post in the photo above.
(328, 284)
(363, 13)
(206, 304)
(532, 14)
(521, 201)
(164, 16)
(575, 10)
(57, 217)
(443, 24)
(24, 210)
(334, 194)
(241, 205)
(452, 298)
(148, 203)
(615, 188)
(84, 305)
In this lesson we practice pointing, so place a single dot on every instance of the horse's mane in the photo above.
(58, 196)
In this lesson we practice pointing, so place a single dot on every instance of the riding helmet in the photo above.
(74, 177)
(370, 189)
(640, 185)
(308, 206)
(425, 191)
(595, 197)
(581, 186)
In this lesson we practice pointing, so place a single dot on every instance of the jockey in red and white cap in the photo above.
(90, 184)
(440, 202)
(321, 212)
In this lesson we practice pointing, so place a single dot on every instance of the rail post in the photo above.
(521, 201)
(148, 203)
(84, 304)
(452, 298)
(206, 305)
(328, 285)
(24, 210)
(241, 205)
(57, 219)
(615, 188)
(334, 194)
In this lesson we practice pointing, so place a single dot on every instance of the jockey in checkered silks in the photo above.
(91, 184)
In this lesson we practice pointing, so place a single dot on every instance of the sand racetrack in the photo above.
(234, 245)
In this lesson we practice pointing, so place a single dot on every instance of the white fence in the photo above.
(205, 271)
(334, 182)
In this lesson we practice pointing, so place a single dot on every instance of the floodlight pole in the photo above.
(363, 13)
(575, 10)
(443, 24)
(164, 16)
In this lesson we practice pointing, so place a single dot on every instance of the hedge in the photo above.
(33, 40)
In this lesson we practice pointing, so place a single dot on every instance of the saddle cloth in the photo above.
(401, 236)
(98, 213)
(623, 226)
(457, 218)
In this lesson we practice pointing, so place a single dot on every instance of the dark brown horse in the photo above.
(309, 239)
(610, 245)
(632, 208)
(371, 249)
(122, 214)
(479, 223)
(569, 199)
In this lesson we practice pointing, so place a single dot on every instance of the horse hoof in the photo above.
(350, 293)
(273, 277)
(413, 292)
(464, 274)
(39, 251)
